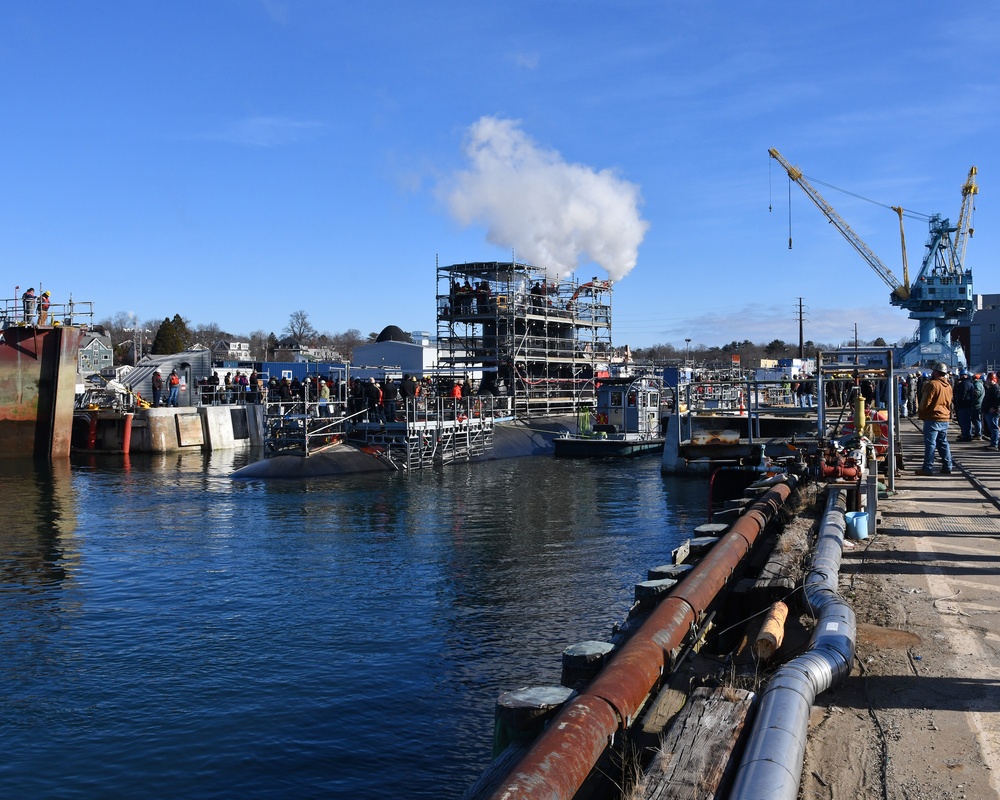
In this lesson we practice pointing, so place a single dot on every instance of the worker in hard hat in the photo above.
(43, 308)
(935, 411)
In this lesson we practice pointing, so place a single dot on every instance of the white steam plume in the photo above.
(554, 215)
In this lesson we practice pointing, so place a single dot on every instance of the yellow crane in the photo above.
(900, 290)
(940, 297)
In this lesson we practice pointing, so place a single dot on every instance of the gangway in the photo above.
(427, 432)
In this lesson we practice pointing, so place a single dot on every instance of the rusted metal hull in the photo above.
(37, 390)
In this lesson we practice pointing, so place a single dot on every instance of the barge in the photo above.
(38, 379)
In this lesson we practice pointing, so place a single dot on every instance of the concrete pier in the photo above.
(923, 700)
(224, 427)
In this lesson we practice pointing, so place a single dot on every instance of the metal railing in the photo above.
(419, 431)
(28, 312)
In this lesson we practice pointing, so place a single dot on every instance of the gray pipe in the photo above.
(772, 762)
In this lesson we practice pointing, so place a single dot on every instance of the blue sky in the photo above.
(237, 160)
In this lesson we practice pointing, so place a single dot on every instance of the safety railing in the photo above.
(34, 311)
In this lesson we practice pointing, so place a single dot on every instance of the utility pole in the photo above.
(802, 341)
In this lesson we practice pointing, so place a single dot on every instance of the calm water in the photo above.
(168, 632)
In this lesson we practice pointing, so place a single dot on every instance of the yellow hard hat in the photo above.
(45, 294)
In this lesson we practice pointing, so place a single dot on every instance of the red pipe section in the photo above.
(127, 434)
(561, 758)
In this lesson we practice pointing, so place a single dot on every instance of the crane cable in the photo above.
(770, 205)
(911, 214)
(894, 209)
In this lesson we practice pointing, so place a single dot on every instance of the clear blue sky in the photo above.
(237, 160)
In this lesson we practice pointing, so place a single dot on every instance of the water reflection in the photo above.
(259, 639)
(37, 538)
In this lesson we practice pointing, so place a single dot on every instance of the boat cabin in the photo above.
(628, 405)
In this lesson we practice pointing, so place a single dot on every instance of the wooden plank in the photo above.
(692, 760)
(189, 430)
(784, 569)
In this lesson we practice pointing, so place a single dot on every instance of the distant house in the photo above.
(290, 350)
(96, 354)
(226, 350)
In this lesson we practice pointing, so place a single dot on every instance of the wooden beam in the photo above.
(692, 760)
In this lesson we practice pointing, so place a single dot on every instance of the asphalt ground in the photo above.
(919, 715)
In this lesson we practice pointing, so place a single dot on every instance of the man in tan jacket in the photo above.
(935, 411)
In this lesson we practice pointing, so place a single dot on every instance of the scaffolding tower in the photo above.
(538, 341)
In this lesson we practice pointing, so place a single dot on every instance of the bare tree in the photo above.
(299, 327)
(208, 334)
(345, 342)
(258, 345)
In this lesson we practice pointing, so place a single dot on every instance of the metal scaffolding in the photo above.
(538, 341)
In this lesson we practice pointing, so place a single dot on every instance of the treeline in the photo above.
(174, 334)
(750, 353)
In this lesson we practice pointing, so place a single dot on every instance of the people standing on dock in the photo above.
(912, 394)
(28, 302)
(324, 399)
(804, 392)
(902, 395)
(284, 394)
(978, 393)
(935, 411)
(374, 397)
(390, 396)
(213, 388)
(964, 395)
(157, 388)
(991, 411)
(242, 385)
(174, 384)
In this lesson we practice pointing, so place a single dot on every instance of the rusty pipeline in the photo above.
(559, 761)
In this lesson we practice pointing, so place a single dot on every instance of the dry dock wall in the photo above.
(164, 430)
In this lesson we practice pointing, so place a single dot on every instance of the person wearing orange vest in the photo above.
(43, 308)
(174, 382)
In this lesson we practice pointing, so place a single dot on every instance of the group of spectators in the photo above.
(973, 399)
(362, 399)
(231, 389)
(462, 295)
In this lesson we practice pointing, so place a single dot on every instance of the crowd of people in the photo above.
(936, 397)
(971, 399)
(361, 399)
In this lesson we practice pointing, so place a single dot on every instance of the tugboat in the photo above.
(625, 421)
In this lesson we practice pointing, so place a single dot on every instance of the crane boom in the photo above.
(900, 291)
(964, 230)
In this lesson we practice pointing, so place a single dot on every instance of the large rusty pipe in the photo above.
(559, 761)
